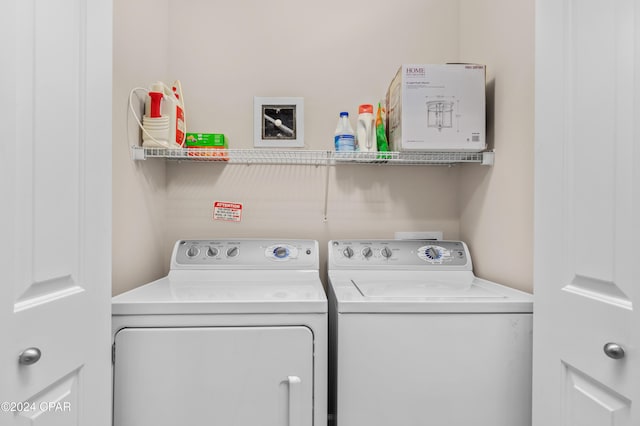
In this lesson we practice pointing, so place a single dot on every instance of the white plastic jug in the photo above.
(167, 129)
(366, 131)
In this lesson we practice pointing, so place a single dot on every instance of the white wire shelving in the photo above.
(311, 157)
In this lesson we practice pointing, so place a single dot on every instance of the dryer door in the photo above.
(242, 376)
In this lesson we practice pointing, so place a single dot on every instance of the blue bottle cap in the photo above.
(344, 114)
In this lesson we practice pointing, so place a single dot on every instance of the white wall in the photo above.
(336, 55)
(496, 203)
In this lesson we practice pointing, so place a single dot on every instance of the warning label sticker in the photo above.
(224, 210)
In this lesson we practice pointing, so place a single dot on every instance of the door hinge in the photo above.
(113, 354)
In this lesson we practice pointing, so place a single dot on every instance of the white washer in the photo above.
(416, 339)
(236, 334)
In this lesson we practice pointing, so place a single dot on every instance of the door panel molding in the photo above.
(588, 402)
(46, 291)
(603, 291)
(60, 399)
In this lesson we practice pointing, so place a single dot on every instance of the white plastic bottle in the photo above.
(344, 138)
(366, 131)
(177, 120)
(169, 129)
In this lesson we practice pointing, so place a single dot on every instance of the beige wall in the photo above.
(225, 53)
(334, 55)
(139, 188)
(496, 204)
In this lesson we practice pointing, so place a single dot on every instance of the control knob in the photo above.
(232, 252)
(193, 251)
(280, 252)
(386, 252)
(367, 252)
(348, 252)
(432, 253)
(212, 252)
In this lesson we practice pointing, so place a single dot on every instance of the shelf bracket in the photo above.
(488, 158)
(325, 217)
(138, 154)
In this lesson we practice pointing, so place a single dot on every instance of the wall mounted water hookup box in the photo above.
(278, 122)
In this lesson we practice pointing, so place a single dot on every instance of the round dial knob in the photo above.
(367, 252)
(212, 252)
(193, 251)
(232, 252)
(432, 253)
(348, 252)
(280, 252)
(386, 252)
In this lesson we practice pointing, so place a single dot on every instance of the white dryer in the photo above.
(236, 334)
(416, 339)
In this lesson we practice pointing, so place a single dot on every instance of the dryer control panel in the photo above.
(245, 254)
(403, 254)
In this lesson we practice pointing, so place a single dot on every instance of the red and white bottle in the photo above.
(365, 129)
(177, 121)
(164, 124)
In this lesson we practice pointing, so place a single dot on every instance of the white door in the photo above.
(587, 214)
(55, 214)
(242, 376)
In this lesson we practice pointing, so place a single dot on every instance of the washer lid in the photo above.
(226, 292)
(413, 291)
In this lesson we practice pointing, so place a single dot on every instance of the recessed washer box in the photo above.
(278, 122)
(437, 108)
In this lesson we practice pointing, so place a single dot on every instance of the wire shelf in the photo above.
(411, 158)
(311, 157)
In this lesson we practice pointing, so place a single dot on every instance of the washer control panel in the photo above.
(245, 254)
(405, 254)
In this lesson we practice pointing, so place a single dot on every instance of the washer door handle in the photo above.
(295, 410)
(29, 356)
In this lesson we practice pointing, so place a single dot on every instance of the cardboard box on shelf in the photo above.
(437, 108)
